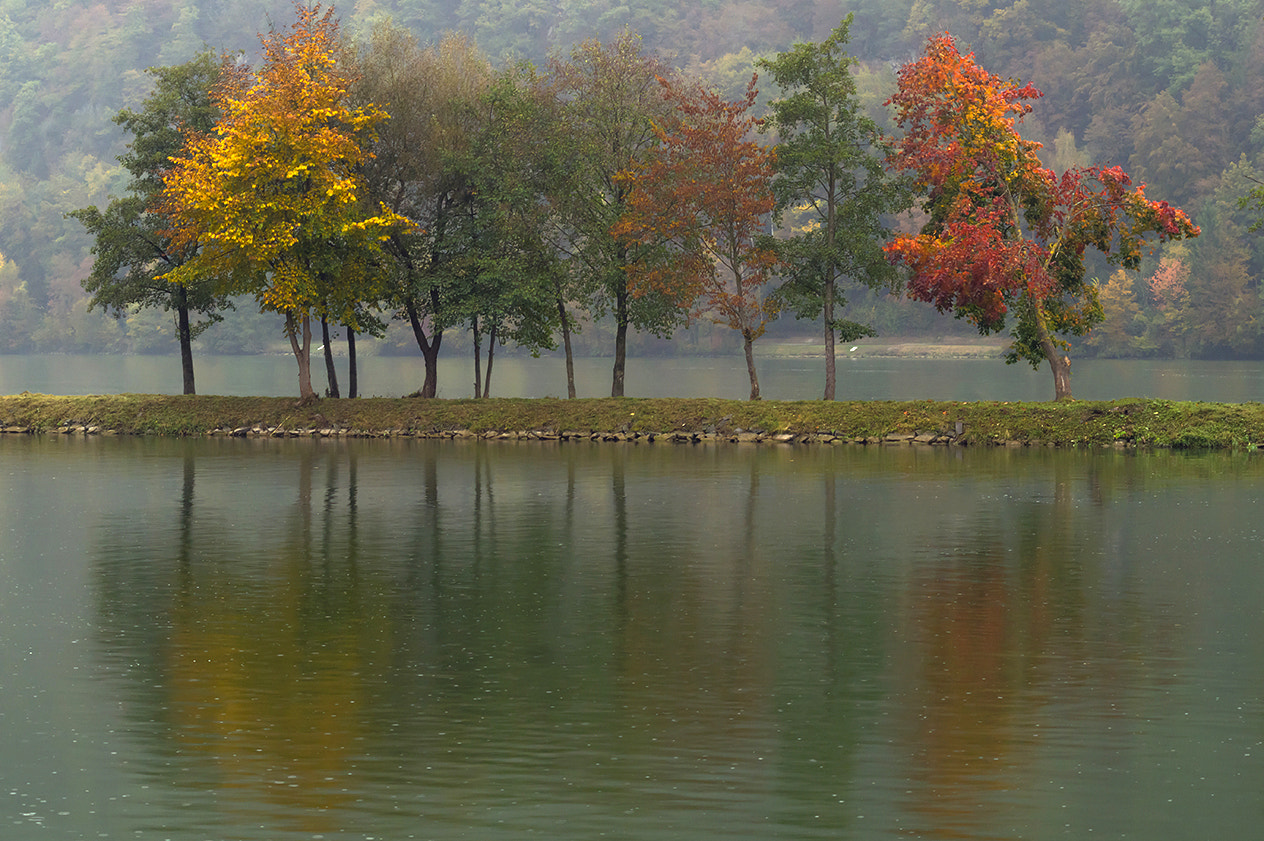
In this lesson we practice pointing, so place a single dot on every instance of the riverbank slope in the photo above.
(1128, 423)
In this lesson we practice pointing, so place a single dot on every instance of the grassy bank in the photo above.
(1120, 423)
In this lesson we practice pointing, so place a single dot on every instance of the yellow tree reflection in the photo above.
(269, 658)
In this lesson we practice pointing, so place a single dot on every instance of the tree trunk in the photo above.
(330, 371)
(491, 355)
(430, 355)
(1059, 362)
(1060, 365)
(352, 392)
(299, 331)
(827, 299)
(620, 342)
(478, 359)
(185, 335)
(748, 345)
(830, 367)
(566, 344)
(429, 350)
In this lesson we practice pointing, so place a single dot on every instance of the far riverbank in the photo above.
(1128, 424)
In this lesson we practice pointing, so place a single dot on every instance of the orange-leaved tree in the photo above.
(1004, 232)
(700, 202)
(273, 194)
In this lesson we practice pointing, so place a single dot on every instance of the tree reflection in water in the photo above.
(324, 636)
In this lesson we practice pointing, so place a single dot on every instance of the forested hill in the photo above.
(1169, 89)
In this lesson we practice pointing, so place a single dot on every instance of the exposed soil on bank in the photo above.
(1120, 423)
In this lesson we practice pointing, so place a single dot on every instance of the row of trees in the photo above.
(350, 182)
(347, 182)
(1166, 88)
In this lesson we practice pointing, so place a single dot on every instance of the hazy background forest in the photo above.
(1169, 89)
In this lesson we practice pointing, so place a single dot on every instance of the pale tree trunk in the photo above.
(1060, 365)
(830, 367)
(478, 359)
(352, 374)
(299, 331)
(330, 371)
(748, 345)
(1059, 362)
(827, 304)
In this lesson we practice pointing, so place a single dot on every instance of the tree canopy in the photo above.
(830, 176)
(699, 205)
(274, 196)
(133, 248)
(611, 103)
(1003, 232)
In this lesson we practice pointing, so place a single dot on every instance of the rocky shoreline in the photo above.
(736, 436)
(1118, 424)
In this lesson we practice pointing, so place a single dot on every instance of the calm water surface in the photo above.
(227, 639)
(859, 378)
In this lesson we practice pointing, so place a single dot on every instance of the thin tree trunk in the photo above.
(620, 342)
(831, 235)
(330, 371)
(185, 335)
(566, 344)
(299, 331)
(830, 367)
(491, 354)
(748, 345)
(478, 359)
(352, 392)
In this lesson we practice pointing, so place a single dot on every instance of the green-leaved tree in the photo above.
(830, 170)
(611, 102)
(133, 250)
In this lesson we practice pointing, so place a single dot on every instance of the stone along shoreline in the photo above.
(1124, 424)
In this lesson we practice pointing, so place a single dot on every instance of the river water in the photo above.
(859, 377)
(272, 639)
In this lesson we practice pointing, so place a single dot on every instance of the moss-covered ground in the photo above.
(1127, 423)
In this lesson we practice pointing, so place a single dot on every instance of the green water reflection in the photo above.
(282, 639)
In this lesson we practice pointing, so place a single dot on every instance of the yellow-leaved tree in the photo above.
(274, 196)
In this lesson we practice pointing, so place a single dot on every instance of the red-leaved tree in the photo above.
(1005, 233)
(701, 200)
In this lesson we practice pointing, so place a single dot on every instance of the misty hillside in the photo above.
(1169, 89)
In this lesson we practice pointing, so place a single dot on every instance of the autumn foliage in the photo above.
(1005, 233)
(699, 205)
(273, 195)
